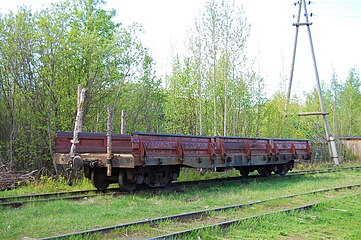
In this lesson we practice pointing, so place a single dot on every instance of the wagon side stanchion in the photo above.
(75, 162)
(123, 127)
(109, 143)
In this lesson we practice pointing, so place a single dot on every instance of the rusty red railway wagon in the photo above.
(156, 159)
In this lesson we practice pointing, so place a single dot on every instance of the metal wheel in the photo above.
(282, 169)
(158, 180)
(124, 184)
(98, 179)
(244, 171)
(265, 171)
(161, 176)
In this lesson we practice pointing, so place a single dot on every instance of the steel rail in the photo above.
(175, 235)
(18, 204)
(16, 201)
(45, 195)
(193, 214)
(228, 223)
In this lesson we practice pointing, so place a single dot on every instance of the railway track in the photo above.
(190, 215)
(176, 235)
(18, 201)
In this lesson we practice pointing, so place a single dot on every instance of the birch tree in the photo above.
(217, 49)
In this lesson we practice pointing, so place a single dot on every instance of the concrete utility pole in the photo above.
(330, 139)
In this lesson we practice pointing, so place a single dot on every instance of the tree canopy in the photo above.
(213, 89)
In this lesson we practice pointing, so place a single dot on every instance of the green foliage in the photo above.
(213, 90)
(45, 54)
(350, 105)
(322, 221)
(181, 103)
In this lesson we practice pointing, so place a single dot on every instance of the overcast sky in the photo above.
(335, 31)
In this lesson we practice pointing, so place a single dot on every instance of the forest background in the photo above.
(213, 89)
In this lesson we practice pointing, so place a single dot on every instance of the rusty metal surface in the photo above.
(92, 143)
(194, 151)
(171, 149)
(119, 160)
(246, 147)
(147, 149)
(297, 148)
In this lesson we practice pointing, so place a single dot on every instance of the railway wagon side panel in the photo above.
(92, 148)
(146, 149)
(291, 148)
(92, 143)
(243, 151)
(209, 152)
(156, 149)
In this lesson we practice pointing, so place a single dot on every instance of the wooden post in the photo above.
(80, 110)
(78, 121)
(123, 127)
(312, 113)
(109, 142)
(330, 138)
(294, 56)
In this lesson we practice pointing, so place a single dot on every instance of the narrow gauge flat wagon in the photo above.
(156, 159)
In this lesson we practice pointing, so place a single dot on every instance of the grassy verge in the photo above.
(339, 218)
(48, 184)
(52, 218)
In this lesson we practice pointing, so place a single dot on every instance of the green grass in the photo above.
(338, 218)
(215, 217)
(310, 165)
(52, 218)
(48, 184)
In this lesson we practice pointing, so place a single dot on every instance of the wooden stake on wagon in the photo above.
(123, 127)
(78, 121)
(109, 143)
(80, 110)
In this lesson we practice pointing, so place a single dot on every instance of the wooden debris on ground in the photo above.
(11, 179)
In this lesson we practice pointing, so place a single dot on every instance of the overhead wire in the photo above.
(340, 3)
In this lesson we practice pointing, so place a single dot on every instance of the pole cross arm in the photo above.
(302, 24)
(313, 113)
